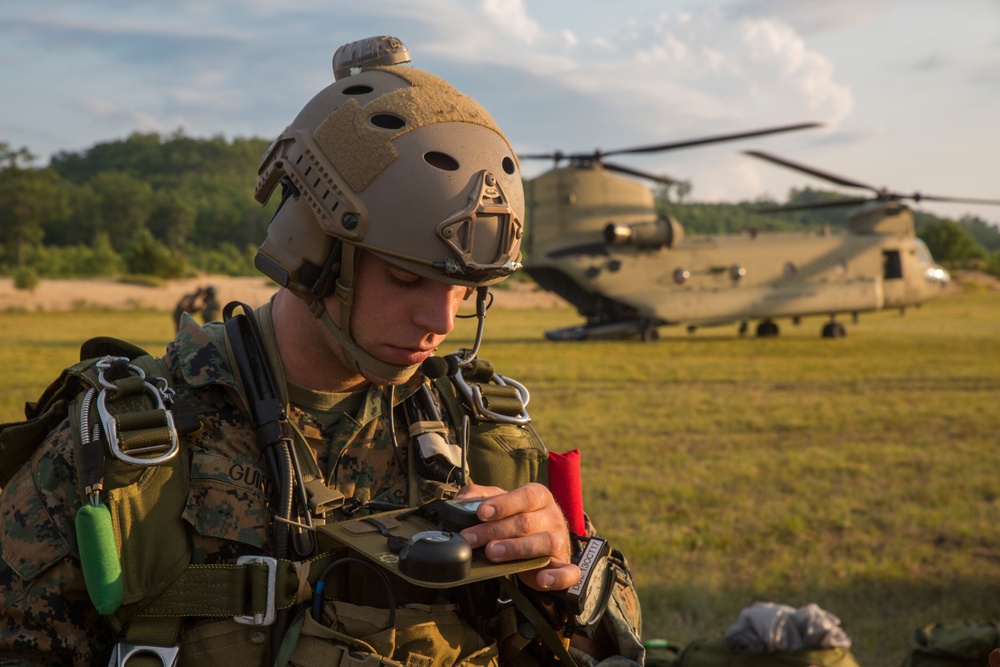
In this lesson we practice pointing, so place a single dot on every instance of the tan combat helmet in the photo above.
(393, 160)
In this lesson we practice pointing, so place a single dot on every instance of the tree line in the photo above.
(163, 206)
(174, 205)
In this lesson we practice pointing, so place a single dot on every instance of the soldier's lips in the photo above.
(408, 356)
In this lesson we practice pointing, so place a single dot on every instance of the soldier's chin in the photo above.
(400, 377)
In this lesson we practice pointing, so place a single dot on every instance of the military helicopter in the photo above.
(595, 239)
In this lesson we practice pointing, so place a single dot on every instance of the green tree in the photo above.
(984, 233)
(172, 220)
(29, 198)
(147, 256)
(124, 204)
(950, 243)
(993, 264)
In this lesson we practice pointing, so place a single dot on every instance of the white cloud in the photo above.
(779, 56)
(511, 17)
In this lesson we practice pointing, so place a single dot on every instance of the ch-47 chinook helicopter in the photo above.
(596, 240)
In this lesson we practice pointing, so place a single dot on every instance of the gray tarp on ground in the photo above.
(769, 626)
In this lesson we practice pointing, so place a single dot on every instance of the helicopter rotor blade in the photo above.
(826, 176)
(665, 180)
(656, 148)
(814, 205)
(918, 197)
(555, 155)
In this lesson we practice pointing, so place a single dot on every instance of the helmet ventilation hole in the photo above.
(357, 90)
(387, 121)
(441, 161)
(508, 166)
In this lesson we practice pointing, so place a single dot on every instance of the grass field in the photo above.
(860, 474)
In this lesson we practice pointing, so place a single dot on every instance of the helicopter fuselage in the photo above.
(595, 239)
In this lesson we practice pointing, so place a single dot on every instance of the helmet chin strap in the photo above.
(365, 364)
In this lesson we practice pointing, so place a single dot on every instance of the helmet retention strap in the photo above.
(366, 364)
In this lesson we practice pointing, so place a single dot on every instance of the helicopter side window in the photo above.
(892, 264)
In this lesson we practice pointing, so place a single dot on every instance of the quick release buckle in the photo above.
(267, 618)
(124, 652)
(160, 452)
(474, 394)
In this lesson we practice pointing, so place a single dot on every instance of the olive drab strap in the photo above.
(546, 634)
(19, 440)
(490, 396)
(134, 413)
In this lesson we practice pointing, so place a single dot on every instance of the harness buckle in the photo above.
(162, 452)
(267, 618)
(124, 652)
(474, 395)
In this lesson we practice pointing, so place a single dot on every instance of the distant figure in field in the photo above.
(210, 309)
(202, 300)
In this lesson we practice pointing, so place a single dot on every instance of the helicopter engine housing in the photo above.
(646, 235)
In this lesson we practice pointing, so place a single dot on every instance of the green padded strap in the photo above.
(545, 631)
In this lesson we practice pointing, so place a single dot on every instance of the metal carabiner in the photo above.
(110, 423)
(105, 364)
(475, 397)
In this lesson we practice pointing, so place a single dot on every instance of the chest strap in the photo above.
(251, 592)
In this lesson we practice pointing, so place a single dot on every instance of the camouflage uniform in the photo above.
(47, 616)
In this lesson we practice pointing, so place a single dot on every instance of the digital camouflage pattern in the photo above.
(46, 615)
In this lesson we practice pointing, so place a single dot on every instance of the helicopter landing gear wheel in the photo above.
(649, 332)
(767, 329)
(834, 330)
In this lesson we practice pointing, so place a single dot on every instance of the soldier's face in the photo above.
(400, 317)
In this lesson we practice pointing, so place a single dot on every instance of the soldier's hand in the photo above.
(524, 523)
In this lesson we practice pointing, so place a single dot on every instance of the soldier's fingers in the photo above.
(556, 577)
(478, 491)
(517, 526)
(528, 498)
(533, 545)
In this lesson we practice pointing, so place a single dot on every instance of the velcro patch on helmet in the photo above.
(360, 151)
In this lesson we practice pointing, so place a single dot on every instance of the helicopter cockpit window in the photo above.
(924, 254)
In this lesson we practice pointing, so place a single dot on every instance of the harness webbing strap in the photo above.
(545, 631)
(226, 589)
(153, 632)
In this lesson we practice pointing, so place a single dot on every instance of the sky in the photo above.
(908, 91)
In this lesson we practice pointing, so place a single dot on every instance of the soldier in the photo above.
(186, 304)
(210, 309)
(198, 539)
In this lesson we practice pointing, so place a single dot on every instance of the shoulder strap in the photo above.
(19, 440)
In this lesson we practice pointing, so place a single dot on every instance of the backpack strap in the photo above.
(19, 440)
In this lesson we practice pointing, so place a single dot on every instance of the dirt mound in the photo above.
(57, 295)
